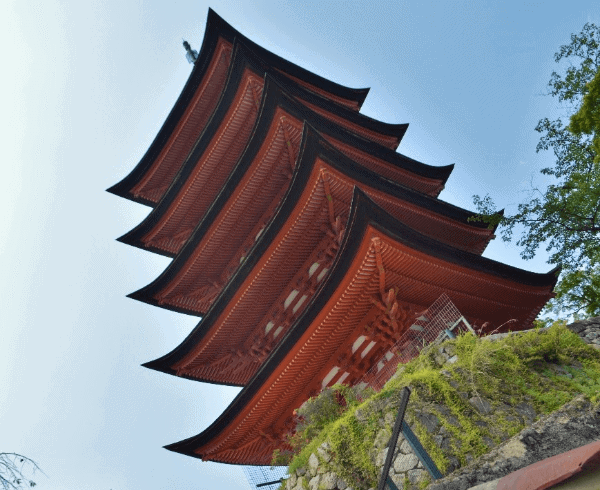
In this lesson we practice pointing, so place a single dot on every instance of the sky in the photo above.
(85, 88)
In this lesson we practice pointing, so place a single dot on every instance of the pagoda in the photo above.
(307, 245)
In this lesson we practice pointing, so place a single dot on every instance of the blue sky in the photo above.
(85, 88)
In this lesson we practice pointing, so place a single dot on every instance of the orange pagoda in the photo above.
(307, 245)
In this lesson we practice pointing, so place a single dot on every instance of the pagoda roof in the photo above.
(196, 103)
(349, 97)
(180, 208)
(215, 247)
(279, 262)
(252, 426)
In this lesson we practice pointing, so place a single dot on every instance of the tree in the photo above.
(13, 468)
(565, 217)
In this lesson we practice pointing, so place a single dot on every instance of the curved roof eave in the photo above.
(209, 43)
(348, 249)
(364, 212)
(217, 27)
(330, 154)
(299, 178)
(227, 30)
(314, 146)
(396, 131)
(243, 59)
(380, 151)
(236, 71)
(274, 96)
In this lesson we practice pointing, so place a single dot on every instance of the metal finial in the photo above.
(191, 54)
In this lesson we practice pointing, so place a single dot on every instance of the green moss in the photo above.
(426, 439)
(424, 483)
(543, 368)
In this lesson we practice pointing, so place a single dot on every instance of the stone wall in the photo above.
(577, 423)
(588, 330)
(573, 426)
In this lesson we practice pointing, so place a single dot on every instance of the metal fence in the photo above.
(440, 321)
(265, 477)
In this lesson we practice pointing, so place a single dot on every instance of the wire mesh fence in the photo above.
(265, 477)
(440, 321)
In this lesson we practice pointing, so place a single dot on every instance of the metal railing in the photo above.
(400, 426)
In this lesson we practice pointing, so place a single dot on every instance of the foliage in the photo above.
(578, 291)
(545, 368)
(13, 468)
(565, 216)
(313, 416)
(587, 119)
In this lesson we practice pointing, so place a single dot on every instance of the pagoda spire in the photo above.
(190, 54)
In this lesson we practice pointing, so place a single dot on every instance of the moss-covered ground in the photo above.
(542, 369)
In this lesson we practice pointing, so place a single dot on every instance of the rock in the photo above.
(526, 411)
(382, 438)
(401, 440)
(430, 421)
(481, 405)
(405, 462)
(313, 464)
(405, 448)
(361, 415)
(324, 451)
(453, 464)
(581, 325)
(328, 481)
(341, 484)
(454, 384)
(513, 449)
(398, 480)
(381, 455)
(440, 358)
(453, 359)
(313, 484)
(490, 485)
(576, 327)
(301, 482)
(389, 419)
(291, 482)
(416, 476)
(488, 442)
(576, 365)
(301, 471)
(529, 437)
